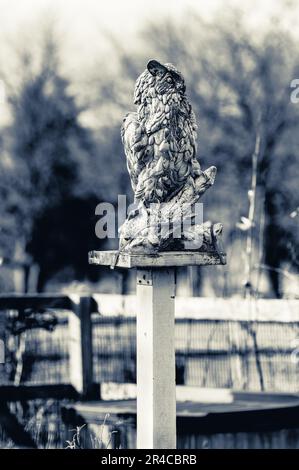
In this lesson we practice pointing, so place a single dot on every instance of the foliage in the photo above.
(49, 151)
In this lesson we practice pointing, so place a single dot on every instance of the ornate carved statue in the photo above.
(160, 145)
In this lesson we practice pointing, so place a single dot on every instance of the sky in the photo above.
(85, 27)
(85, 24)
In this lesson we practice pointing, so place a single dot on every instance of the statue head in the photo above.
(167, 77)
(162, 78)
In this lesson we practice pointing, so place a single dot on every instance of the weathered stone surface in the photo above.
(160, 145)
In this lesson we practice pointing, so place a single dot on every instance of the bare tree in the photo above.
(51, 154)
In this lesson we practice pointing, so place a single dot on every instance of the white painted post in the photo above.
(156, 399)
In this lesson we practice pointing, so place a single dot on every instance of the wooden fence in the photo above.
(80, 348)
(75, 313)
(80, 345)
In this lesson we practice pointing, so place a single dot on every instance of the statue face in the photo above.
(167, 79)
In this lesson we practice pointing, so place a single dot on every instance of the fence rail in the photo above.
(238, 309)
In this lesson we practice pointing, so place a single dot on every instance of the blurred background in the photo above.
(67, 74)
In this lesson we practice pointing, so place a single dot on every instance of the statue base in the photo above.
(158, 260)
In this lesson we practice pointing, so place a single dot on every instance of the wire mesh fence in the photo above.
(209, 353)
(249, 355)
(36, 355)
(212, 352)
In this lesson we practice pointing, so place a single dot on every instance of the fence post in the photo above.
(80, 347)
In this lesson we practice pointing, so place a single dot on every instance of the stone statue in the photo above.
(160, 145)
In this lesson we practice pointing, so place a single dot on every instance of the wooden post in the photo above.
(80, 347)
(156, 400)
